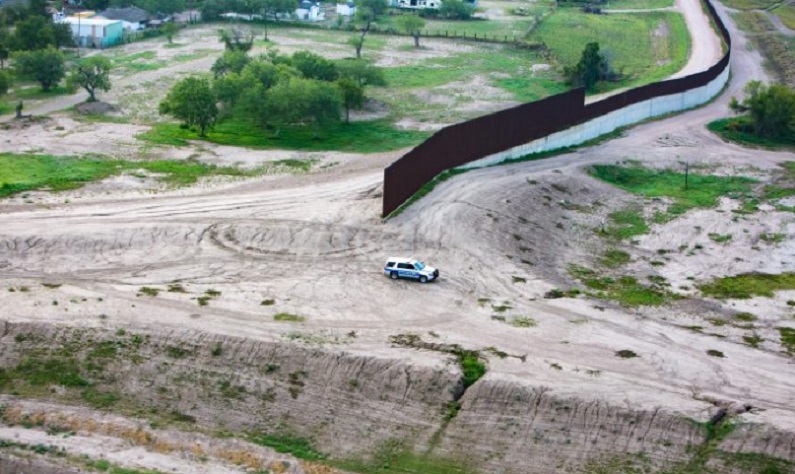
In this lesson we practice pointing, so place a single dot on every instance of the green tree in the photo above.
(367, 12)
(92, 74)
(5, 82)
(771, 109)
(357, 42)
(32, 33)
(5, 46)
(211, 10)
(301, 101)
(589, 69)
(352, 95)
(170, 29)
(411, 24)
(456, 10)
(44, 65)
(62, 35)
(192, 101)
(362, 71)
(230, 62)
(237, 39)
(313, 66)
(228, 89)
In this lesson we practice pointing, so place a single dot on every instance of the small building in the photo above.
(95, 32)
(346, 9)
(309, 11)
(418, 4)
(132, 18)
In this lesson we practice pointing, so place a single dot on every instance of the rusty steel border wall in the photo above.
(469, 141)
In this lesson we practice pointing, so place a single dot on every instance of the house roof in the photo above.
(130, 15)
(306, 4)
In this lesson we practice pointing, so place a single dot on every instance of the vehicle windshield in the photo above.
(419, 265)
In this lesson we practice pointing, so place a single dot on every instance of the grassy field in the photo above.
(750, 4)
(645, 47)
(22, 173)
(786, 12)
(637, 4)
(364, 137)
(734, 129)
(777, 49)
(702, 190)
(749, 285)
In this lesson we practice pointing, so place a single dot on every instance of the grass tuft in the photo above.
(748, 285)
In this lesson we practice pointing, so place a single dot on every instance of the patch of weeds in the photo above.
(523, 322)
(719, 238)
(452, 410)
(496, 352)
(203, 300)
(518, 279)
(299, 447)
(702, 191)
(626, 354)
(626, 290)
(177, 352)
(149, 291)
(268, 302)
(176, 288)
(753, 340)
(212, 293)
(99, 399)
(745, 316)
(181, 417)
(748, 285)
(52, 286)
(501, 308)
(715, 353)
(555, 366)
(625, 224)
(554, 293)
(772, 239)
(471, 366)
(614, 258)
(287, 317)
(787, 339)
(217, 350)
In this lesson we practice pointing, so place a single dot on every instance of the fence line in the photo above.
(462, 143)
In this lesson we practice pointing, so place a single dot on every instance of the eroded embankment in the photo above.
(354, 406)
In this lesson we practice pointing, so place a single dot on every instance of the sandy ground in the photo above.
(316, 244)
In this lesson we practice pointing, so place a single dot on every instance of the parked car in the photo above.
(398, 267)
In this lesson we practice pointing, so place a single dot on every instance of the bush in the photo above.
(770, 108)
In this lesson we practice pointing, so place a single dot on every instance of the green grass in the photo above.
(21, 173)
(523, 322)
(740, 130)
(719, 238)
(517, 28)
(637, 4)
(625, 224)
(35, 93)
(363, 137)
(613, 258)
(394, 457)
(625, 290)
(786, 13)
(287, 317)
(472, 367)
(298, 447)
(748, 285)
(750, 4)
(636, 50)
(702, 191)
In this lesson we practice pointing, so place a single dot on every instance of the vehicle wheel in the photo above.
(423, 279)
(393, 276)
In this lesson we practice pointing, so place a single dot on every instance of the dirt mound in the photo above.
(96, 108)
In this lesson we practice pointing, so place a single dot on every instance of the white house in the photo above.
(309, 11)
(95, 32)
(346, 9)
(132, 18)
(418, 4)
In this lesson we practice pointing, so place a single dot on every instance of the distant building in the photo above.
(346, 9)
(132, 18)
(95, 32)
(418, 4)
(309, 11)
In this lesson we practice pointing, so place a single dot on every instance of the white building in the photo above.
(94, 32)
(309, 11)
(346, 9)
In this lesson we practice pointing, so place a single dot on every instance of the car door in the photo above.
(406, 270)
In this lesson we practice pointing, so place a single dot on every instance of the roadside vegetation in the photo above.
(777, 49)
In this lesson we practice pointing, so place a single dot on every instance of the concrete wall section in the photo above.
(610, 122)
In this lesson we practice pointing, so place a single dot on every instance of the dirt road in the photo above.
(315, 245)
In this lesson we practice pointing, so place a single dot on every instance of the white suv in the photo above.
(397, 267)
